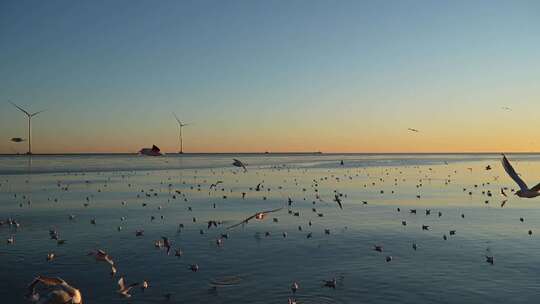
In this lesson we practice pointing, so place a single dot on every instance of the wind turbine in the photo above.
(180, 126)
(29, 115)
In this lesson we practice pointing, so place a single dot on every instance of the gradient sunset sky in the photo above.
(252, 76)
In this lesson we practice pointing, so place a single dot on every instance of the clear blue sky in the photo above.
(270, 75)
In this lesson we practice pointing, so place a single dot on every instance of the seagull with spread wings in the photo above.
(238, 163)
(524, 190)
(258, 216)
(123, 289)
(62, 292)
(167, 243)
(337, 199)
(102, 256)
(216, 184)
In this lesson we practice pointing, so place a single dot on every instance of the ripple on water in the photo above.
(317, 299)
(226, 281)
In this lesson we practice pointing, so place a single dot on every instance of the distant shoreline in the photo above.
(167, 154)
(269, 153)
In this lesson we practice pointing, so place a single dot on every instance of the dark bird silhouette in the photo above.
(524, 190)
(258, 216)
(238, 163)
(338, 201)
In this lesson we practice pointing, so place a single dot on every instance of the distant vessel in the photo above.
(154, 151)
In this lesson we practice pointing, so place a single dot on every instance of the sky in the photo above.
(278, 76)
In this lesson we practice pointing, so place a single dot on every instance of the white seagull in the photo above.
(123, 289)
(61, 294)
(524, 190)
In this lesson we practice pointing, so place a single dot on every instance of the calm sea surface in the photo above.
(160, 193)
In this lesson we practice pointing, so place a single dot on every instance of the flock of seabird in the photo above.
(57, 291)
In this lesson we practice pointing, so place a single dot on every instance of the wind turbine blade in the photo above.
(34, 114)
(20, 108)
(177, 119)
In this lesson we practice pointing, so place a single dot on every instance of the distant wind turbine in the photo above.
(180, 126)
(29, 115)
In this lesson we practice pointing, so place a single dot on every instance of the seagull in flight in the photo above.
(258, 216)
(102, 256)
(506, 108)
(215, 184)
(238, 163)
(338, 201)
(167, 244)
(413, 130)
(62, 293)
(123, 289)
(524, 190)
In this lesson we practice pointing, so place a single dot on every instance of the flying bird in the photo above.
(238, 163)
(413, 130)
(338, 201)
(212, 223)
(215, 184)
(330, 283)
(167, 244)
(524, 190)
(101, 255)
(61, 294)
(258, 216)
(123, 289)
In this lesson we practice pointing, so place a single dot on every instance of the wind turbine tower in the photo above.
(180, 126)
(29, 115)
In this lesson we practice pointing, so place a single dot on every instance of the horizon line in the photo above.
(269, 153)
